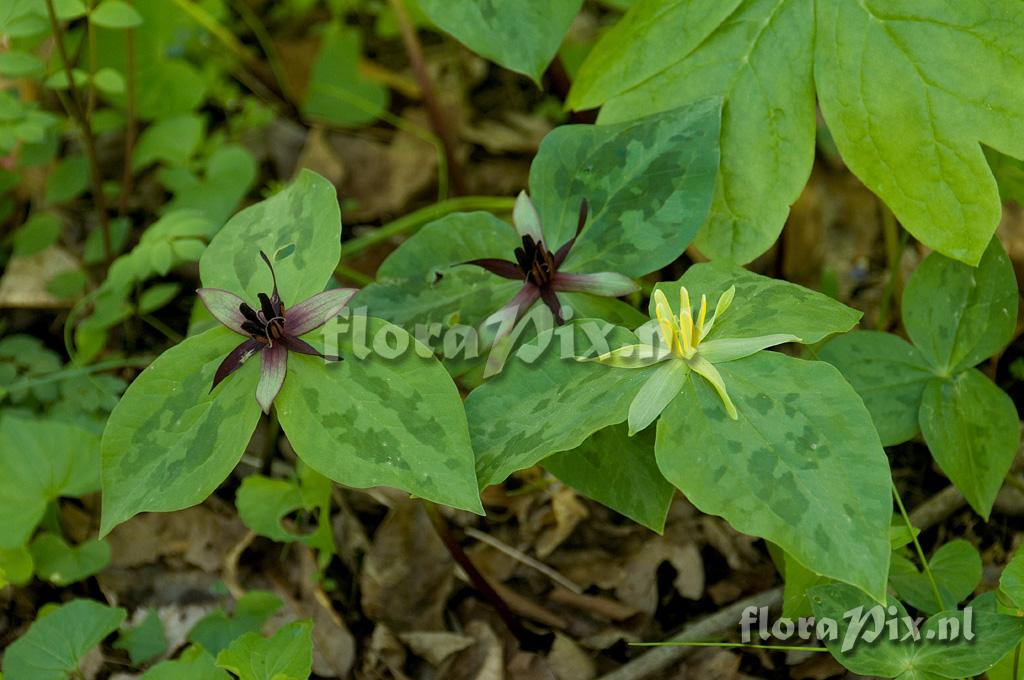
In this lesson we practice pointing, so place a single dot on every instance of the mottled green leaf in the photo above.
(761, 305)
(374, 420)
(757, 55)
(956, 568)
(972, 429)
(218, 630)
(63, 564)
(338, 92)
(619, 471)
(931, 657)
(299, 229)
(888, 373)
(801, 467)
(908, 118)
(194, 663)
(145, 641)
(286, 655)
(57, 642)
(959, 315)
(40, 461)
(171, 441)
(534, 409)
(648, 184)
(522, 36)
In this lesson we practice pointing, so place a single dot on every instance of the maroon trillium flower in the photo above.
(538, 268)
(271, 331)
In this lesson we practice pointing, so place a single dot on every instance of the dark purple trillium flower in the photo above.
(271, 330)
(538, 268)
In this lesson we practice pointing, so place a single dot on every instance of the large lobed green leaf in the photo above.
(802, 466)
(521, 35)
(170, 441)
(904, 113)
(41, 460)
(648, 182)
(757, 55)
(371, 420)
(299, 229)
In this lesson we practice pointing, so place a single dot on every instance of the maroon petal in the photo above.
(605, 284)
(226, 308)
(550, 299)
(303, 347)
(504, 268)
(234, 360)
(272, 372)
(563, 252)
(314, 312)
(508, 316)
(275, 297)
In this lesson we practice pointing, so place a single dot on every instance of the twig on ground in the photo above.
(522, 557)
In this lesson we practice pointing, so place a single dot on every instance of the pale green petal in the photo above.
(727, 349)
(632, 356)
(661, 388)
(702, 366)
(724, 301)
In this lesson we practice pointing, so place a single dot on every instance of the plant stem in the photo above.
(69, 373)
(132, 124)
(414, 220)
(353, 275)
(917, 547)
(529, 640)
(438, 120)
(89, 140)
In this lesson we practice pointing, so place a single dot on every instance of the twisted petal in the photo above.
(314, 312)
(563, 252)
(302, 347)
(526, 218)
(272, 372)
(234, 360)
(633, 356)
(702, 366)
(661, 388)
(728, 349)
(225, 307)
(605, 284)
(550, 299)
(504, 268)
(724, 301)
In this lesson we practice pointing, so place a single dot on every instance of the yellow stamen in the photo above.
(700, 322)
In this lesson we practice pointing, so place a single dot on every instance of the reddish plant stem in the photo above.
(435, 112)
(528, 640)
(89, 140)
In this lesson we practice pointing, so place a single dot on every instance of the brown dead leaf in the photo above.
(566, 512)
(569, 662)
(435, 646)
(321, 157)
(198, 535)
(408, 574)
(24, 280)
(484, 660)
(640, 587)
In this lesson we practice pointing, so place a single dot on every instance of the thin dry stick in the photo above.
(79, 115)
(658, 659)
(522, 557)
(438, 121)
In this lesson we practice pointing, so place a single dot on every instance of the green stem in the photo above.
(917, 547)
(357, 277)
(1016, 661)
(167, 331)
(410, 223)
(69, 373)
